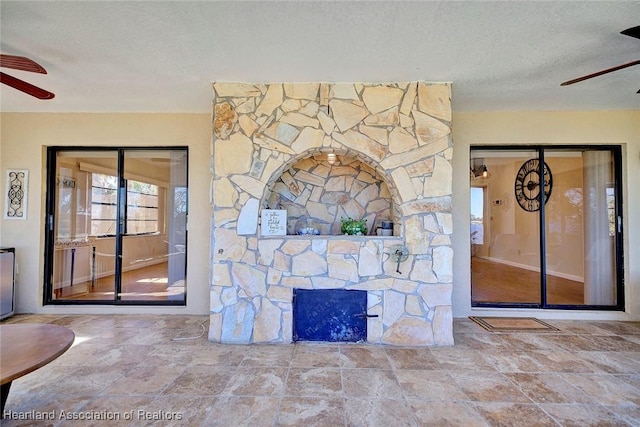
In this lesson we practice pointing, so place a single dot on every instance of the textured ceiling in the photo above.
(148, 56)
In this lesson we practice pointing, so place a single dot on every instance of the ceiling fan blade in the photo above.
(21, 63)
(599, 73)
(633, 32)
(25, 87)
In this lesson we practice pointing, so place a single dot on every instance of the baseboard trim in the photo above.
(532, 268)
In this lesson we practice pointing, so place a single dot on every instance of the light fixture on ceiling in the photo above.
(479, 169)
(331, 158)
(483, 172)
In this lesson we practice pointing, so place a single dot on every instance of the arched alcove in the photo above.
(314, 189)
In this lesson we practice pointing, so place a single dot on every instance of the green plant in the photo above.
(353, 226)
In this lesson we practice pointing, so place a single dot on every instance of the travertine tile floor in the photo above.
(140, 369)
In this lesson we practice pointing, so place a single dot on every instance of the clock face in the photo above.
(529, 183)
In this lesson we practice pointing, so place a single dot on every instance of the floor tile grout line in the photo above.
(344, 395)
(402, 390)
(549, 415)
(284, 389)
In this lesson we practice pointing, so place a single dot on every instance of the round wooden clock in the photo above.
(529, 182)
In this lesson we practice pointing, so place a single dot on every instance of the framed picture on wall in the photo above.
(16, 194)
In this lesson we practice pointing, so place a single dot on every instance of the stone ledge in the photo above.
(330, 237)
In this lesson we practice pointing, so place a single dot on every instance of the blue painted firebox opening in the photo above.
(329, 315)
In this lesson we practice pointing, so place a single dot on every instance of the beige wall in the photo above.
(524, 127)
(23, 137)
(23, 141)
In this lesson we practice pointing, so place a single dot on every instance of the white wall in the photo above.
(526, 127)
(24, 137)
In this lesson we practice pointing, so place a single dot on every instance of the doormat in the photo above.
(513, 324)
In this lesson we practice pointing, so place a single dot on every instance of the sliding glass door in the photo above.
(506, 268)
(116, 226)
(582, 227)
(551, 225)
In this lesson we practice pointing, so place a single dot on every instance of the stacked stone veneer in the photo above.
(400, 130)
(313, 189)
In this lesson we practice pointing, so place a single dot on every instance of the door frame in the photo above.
(50, 220)
(616, 152)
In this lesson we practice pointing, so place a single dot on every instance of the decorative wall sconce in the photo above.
(16, 194)
(331, 158)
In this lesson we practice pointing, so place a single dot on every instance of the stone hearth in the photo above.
(399, 136)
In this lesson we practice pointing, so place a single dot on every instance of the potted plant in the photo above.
(354, 227)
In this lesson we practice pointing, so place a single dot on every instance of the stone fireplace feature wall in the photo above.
(400, 130)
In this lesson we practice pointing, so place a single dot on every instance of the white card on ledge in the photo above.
(274, 222)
